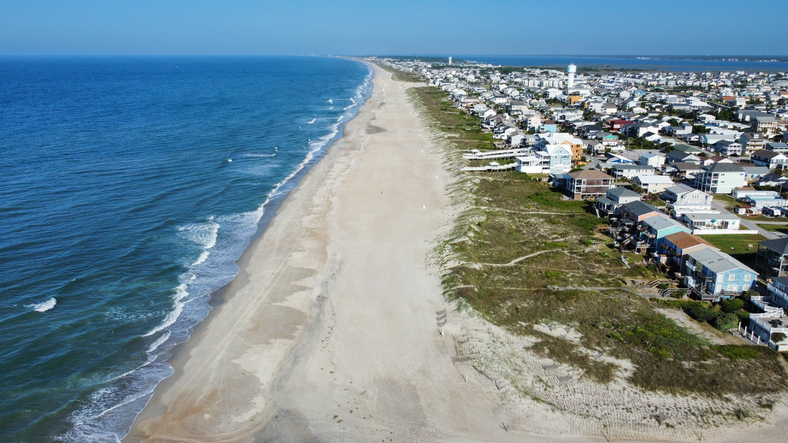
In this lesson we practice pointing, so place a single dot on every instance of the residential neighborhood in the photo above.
(670, 160)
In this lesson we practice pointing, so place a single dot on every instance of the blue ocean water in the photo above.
(128, 189)
(662, 63)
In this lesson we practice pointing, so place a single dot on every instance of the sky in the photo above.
(394, 27)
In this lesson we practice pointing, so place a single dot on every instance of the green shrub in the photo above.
(750, 293)
(739, 352)
(702, 313)
(662, 286)
(732, 305)
(725, 321)
(778, 337)
(744, 316)
(678, 294)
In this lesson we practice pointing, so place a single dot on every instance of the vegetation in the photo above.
(742, 247)
(559, 249)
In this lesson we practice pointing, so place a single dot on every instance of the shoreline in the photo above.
(276, 200)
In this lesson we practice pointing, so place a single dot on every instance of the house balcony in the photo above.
(705, 295)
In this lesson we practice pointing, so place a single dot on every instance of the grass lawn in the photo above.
(775, 228)
(729, 201)
(737, 245)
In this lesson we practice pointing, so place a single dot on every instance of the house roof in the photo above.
(723, 167)
(654, 179)
(639, 208)
(685, 240)
(628, 167)
(661, 222)
(778, 245)
(686, 166)
(622, 192)
(718, 261)
(588, 173)
(762, 153)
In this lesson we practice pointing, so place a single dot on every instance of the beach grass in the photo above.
(523, 255)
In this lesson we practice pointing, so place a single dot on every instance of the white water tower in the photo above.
(449, 61)
(571, 70)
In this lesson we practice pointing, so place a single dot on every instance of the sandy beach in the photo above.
(329, 331)
(332, 329)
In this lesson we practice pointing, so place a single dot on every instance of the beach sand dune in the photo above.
(329, 332)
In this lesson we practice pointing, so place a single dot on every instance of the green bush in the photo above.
(732, 305)
(725, 321)
(679, 294)
(778, 337)
(662, 286)
(738, 352)
(750, 293)
(702, 313)
(744, 316)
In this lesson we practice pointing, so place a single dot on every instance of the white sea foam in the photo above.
(311, 121)
(164, 337)
(45, 306)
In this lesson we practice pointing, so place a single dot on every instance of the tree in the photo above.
(673, 122)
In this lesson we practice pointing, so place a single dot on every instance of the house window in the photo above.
(733, 288)
(747, 277)
(731, 277)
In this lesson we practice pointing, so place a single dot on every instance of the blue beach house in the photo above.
(714, 275)
(659, 227)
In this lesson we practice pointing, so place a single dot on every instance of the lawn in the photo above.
(775, 228)
(742, 247)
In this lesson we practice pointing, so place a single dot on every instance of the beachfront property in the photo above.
(583, 185)
(713, 275)
(720, 178)
(634, 213)
(658, 227)
(609, 206)
(770, 325)
(553, 159)
(771, 258)
(567, 141)
(673, 249)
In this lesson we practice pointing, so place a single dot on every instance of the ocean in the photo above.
(129, 187)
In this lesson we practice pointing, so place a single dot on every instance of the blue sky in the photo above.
(394, 27)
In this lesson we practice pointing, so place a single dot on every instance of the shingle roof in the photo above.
(639, 208)
(779, 245)
(718, 261)
(622, 192)
(724, 167)
(588, 173)
(684, 240)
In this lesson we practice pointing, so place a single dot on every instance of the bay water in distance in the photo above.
(129, 187)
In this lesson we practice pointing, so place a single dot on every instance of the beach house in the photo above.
(673, 249)
(584, 184)
(714, 275)
(609, 206)
(771, 258)
(769, 159)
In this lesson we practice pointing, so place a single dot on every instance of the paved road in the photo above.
(749, 224)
